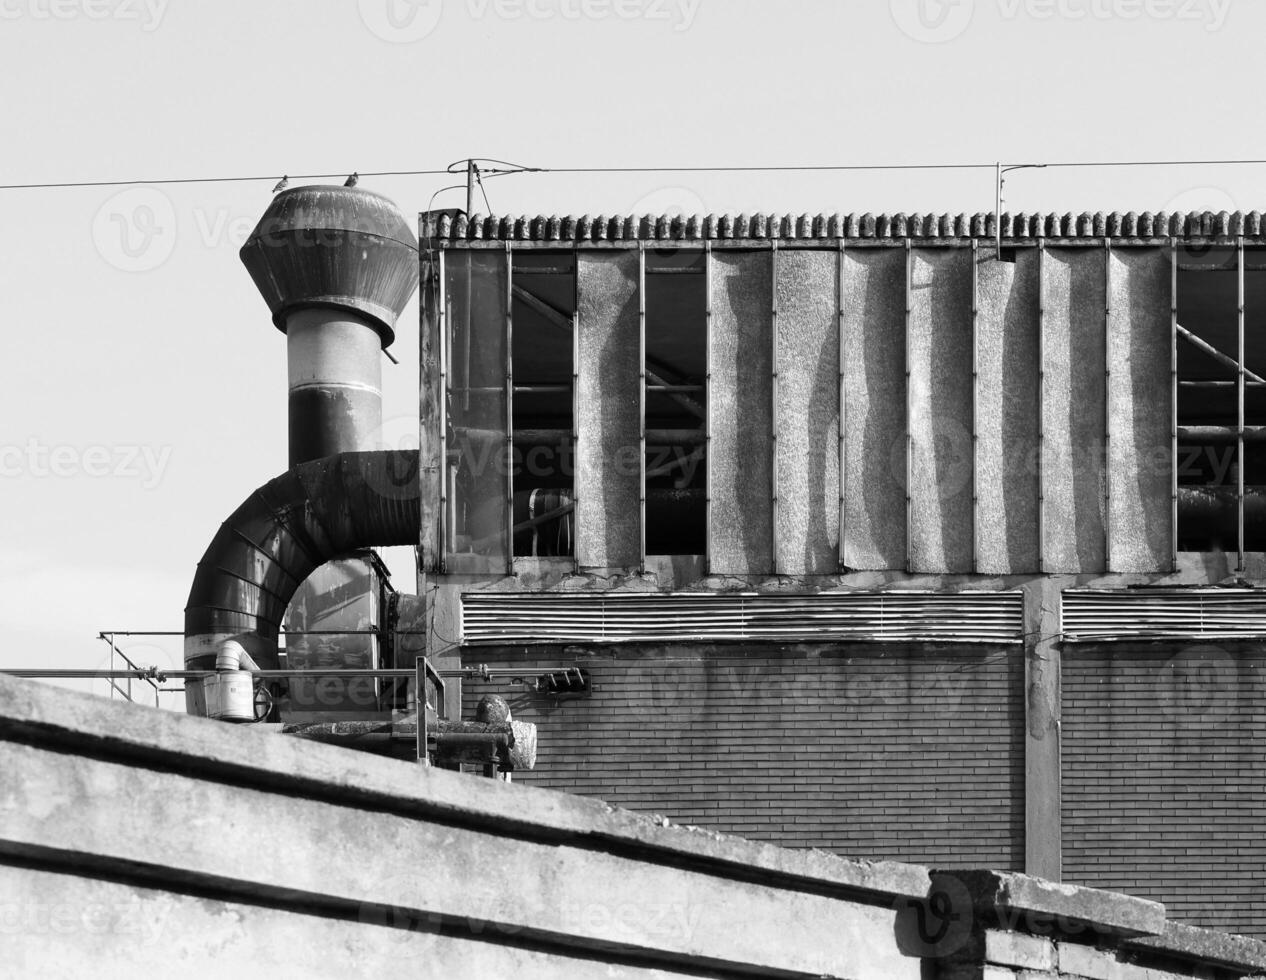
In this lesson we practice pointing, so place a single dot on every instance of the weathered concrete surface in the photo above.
(1007, 413)
(807, 452)
(1043, 820)
(940, 339)
(262, 820)
(1203, 945)
(1140, 406)
(319, 851)
(40, 713)
(873, 334)
(1073, 409)
(1001, 896)
(740, 450)
(139, 842)
(608, 401)
(121, 931)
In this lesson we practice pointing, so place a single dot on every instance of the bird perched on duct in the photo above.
(352, 181)
(282, 184)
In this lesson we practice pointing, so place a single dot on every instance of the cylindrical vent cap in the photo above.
(340, 247)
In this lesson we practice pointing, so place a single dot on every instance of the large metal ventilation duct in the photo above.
(336, 266)
(281, 533)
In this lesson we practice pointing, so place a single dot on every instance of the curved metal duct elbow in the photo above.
(281, 533)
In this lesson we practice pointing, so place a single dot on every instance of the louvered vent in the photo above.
(1161, 613)
(972, 617)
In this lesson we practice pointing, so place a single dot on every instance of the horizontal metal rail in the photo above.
(154, 673)
(106, 634)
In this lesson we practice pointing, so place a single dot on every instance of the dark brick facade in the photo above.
(874, 751)
(1164, 758)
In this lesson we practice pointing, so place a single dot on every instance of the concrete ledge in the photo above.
(45, 715)
(1027, 904)
(1205, 946)
(264, 832)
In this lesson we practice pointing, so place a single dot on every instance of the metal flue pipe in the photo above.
(280, 534)
(336, 266)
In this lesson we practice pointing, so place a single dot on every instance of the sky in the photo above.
(142, 384)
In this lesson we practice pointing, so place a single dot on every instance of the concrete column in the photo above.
(335, 369)
(1043, 842)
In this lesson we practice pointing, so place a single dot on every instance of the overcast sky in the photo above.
(143, 385)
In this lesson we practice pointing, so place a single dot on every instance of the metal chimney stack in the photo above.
(336, 266)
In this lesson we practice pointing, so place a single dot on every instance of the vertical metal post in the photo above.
(1041, 406)
(575, 409)
(997, 212)
(773, 468)
(909, 440)
(1107, 404)
(1239, 396)
(509, 381)
(113, 652)
(442, 306)
(975, 403)
(707, 409)
(839, 291)
(641, 396)
(1173, 401)
(467, 346)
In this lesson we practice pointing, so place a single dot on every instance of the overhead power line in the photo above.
(683, 168)
(215, 180)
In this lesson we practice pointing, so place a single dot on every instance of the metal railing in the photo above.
(155, 677)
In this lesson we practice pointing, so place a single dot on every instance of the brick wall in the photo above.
(873, 751)
(1164, 777)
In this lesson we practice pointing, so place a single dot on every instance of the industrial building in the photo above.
(924, 538)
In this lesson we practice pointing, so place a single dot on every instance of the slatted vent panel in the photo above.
(1162, 613)
(980, 617)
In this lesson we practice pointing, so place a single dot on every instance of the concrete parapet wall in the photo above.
(139, 842)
